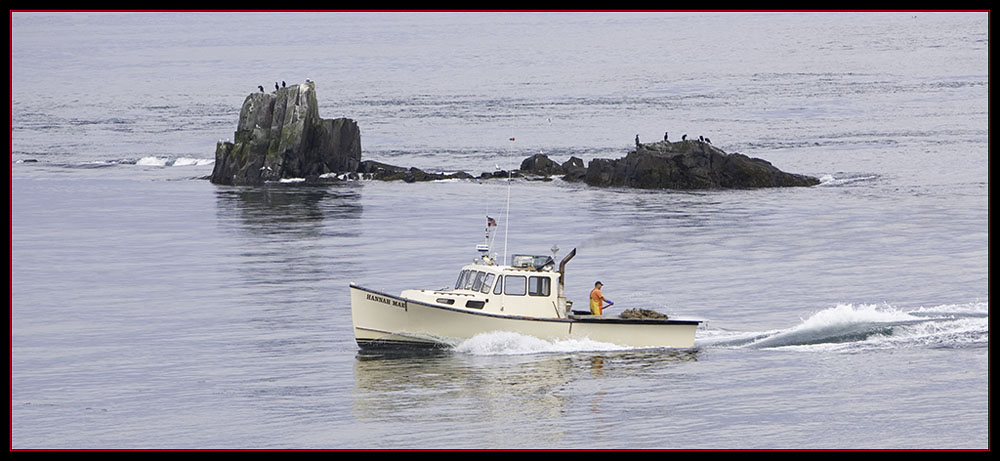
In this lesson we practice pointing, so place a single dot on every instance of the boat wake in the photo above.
(849, 327)
(844, 328)
(509, 343)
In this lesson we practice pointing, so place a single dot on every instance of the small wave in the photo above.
(167, 161)
(187, 161)
(152, 161)
(842, 179)
(509, 343)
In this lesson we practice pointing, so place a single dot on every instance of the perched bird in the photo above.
(275, 86)
(665, 135)
(684, 138)
(282, 83)
(701, 139)
(261, 88)
(708, 140)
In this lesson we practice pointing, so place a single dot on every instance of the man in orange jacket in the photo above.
(597, 299)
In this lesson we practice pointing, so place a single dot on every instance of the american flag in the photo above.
(490, 221)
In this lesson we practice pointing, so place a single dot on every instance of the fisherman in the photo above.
(597, 299)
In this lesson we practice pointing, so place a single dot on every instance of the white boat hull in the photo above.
(385, 320)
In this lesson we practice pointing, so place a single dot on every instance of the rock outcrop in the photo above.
(672, 165)
(281, 135)
(542, 165)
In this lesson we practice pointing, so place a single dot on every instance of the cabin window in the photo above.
(478, 283)
(499, 287)
(446, 301)
(471, 278)
(539, 286)
(515, 285)
(461, 279)
(475, 304)
(488, 283)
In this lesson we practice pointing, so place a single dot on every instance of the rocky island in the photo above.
(280, 135)
(687, 164)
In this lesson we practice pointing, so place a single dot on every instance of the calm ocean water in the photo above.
(152, 309)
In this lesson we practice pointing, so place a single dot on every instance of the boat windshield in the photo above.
(532, 261)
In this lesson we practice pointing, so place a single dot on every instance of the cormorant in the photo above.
(261, 87)
(701, 139)
(684, 138)
(636, 140)
(282, 83)
(708, 140)
(665, 135)
(275, 86)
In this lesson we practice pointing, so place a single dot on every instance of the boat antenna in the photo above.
(506, 220)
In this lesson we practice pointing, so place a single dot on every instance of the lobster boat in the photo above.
(526, 296)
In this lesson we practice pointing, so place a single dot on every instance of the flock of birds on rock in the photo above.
(261, 87)
(276, 87)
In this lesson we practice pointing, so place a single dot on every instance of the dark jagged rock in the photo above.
(689, 165)
(574, 170)
(281, 135)
(500, 174)
(370, 169)
(541, 165)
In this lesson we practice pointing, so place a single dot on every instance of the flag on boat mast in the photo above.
(490, 221)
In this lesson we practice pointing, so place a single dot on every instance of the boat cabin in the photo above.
(530, 287)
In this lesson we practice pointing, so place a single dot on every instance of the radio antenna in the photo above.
(506, 223)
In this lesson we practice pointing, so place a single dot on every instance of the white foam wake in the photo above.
(509, 343)
(859, 327)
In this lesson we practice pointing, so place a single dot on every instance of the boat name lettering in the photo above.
(389, 301)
